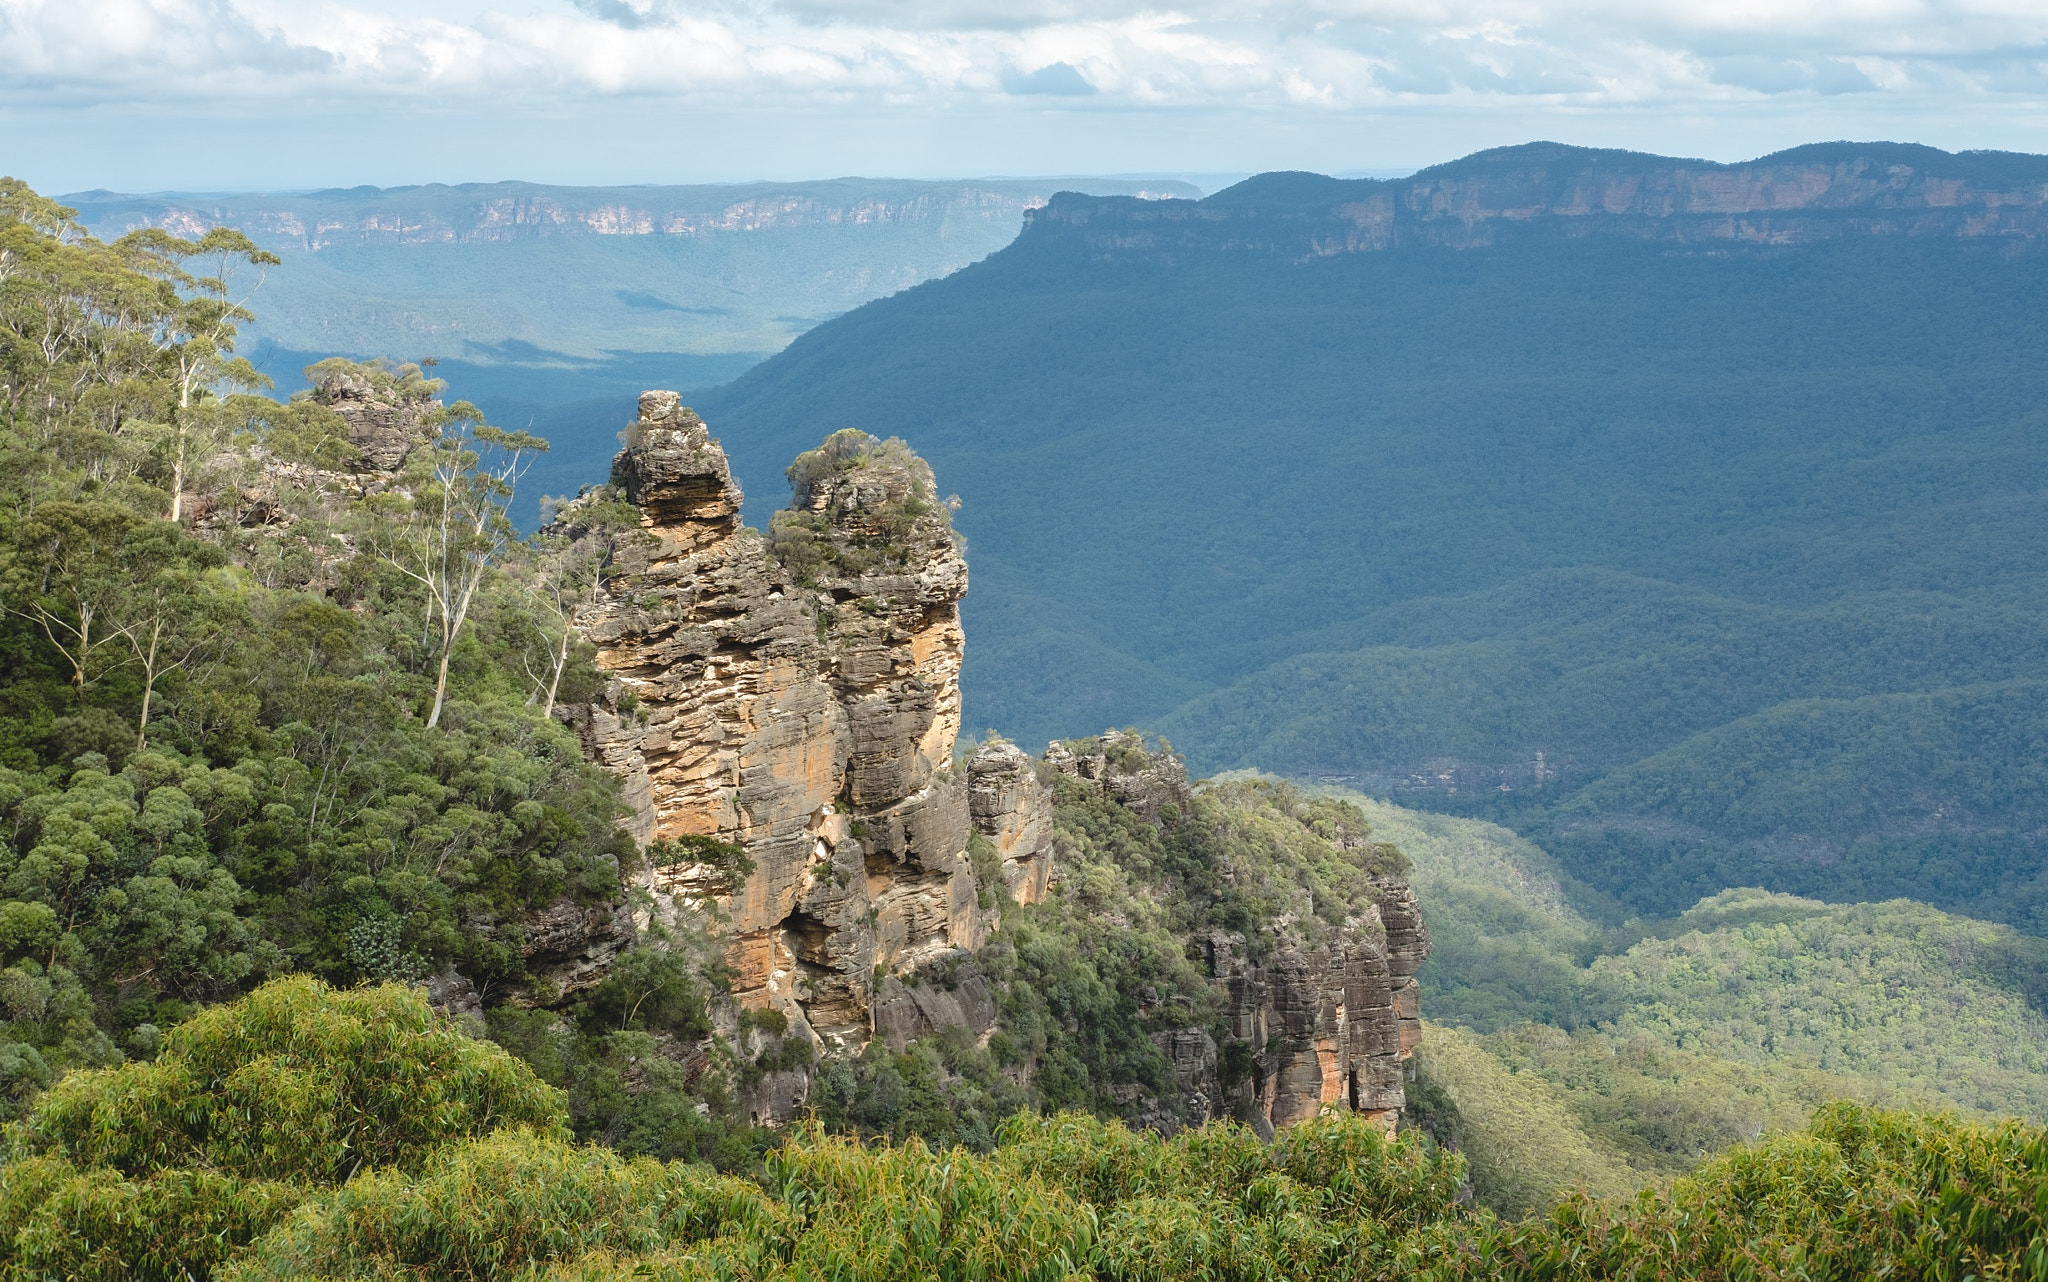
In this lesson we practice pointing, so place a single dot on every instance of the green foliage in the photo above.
(987, 862)
(1926, 1002)
(943, 1090)
(1086, 980)
(403, 384)
(1608, 1058)
(165, 1169)
(254, 717)
(295, 1083)
(463, 1173)
(1059, 1198)
(1861, 1193)
(858, 504)
(92, 1225)
(699, 848)
(498, 1206)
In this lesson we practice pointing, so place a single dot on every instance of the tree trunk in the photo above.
(561, 662)
(149, 675)
(441, 686)
(178, 479)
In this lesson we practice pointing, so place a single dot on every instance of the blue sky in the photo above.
(251, 94)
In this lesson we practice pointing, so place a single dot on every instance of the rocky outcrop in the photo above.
(783, 710)
(796, 696)
(1328, 1020)
(383, 425)
(1012, 807)
(950, 995)
(385, 411)
(1118, 763)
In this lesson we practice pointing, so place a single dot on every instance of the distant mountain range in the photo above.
(1686, 515)
(554, 306)
(521, 272)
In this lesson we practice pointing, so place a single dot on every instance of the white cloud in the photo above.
(1109, 53)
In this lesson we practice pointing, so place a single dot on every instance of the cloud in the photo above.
(1201, 53)
(1057, 78)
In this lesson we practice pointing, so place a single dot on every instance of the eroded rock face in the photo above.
(1012, 807)
(1328, 1023)
(1546, 191)
(798, 697)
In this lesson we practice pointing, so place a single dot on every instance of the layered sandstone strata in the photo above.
(383, 429)
(797, 697)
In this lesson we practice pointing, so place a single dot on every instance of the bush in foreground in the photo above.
(307, 1133)
(164, 1169)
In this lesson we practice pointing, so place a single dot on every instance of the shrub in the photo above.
(166, 1169)
(501, 1204)
(295, 1082)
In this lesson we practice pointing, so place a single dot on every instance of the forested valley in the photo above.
(1695, 536)
(280, 754)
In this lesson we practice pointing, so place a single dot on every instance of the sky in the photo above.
(223, 95)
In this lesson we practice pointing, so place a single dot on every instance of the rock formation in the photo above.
(1012, 807)
(384, 422)
(386, 413)
(783, 712)
(1328, 1023)
(797, 696)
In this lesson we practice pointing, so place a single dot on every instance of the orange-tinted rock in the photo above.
(797, 696)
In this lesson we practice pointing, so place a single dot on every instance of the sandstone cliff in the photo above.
(1329, 1013)
(797, 697)
(1546, 190)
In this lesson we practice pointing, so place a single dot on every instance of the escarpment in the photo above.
(1820, 192)
(783, 710)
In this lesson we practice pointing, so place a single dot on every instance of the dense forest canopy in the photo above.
(299, 726)
(461, 1192)
(281, 698)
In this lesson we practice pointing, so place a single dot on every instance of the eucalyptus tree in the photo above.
(575, 549)
(444, 526)
(197, 336)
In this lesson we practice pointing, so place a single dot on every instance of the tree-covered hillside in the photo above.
(1413, 515)
(280, 763)
(1571, 1050)
(447, 1160)
(263, 707)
